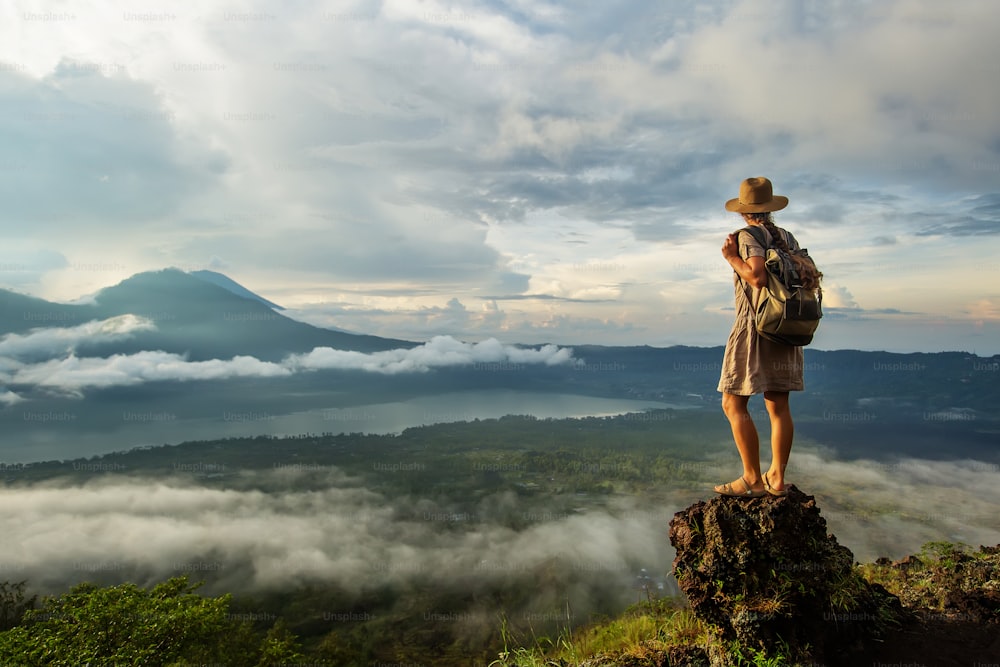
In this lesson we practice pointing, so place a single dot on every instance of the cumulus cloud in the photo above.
(985, 309)
(49, 342)
(835, 296)
(121, 370)
(63, 371)
(7, 397)
(440, 351)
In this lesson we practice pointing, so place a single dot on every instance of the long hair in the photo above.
(808, 273)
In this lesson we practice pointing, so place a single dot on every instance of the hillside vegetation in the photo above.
(502, 541)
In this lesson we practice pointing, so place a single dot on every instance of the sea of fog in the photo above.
(58, 439)
(145, 529)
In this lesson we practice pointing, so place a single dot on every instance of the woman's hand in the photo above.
(751, 270)
(731, 248)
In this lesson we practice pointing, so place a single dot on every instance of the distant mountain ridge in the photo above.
(905, 402)
(194, 315)
(206, 315)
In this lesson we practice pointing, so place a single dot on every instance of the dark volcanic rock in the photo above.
(952, 583)
(955, 599)
(765, 573)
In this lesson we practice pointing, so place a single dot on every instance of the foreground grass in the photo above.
(640, 635)
(944, 579)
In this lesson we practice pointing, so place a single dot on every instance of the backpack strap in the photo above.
(758, 235)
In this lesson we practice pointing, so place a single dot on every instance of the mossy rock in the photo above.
(766, 575)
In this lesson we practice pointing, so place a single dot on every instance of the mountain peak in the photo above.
(206, 315)
(178, 284)
(228, 283)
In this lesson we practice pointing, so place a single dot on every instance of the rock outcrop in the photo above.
(954, 594)
(766, 575)
(954, 583)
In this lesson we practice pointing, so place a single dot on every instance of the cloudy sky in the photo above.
(534, 171)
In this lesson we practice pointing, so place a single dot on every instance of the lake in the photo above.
(64, 439)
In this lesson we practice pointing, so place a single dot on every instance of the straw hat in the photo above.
(756, 196)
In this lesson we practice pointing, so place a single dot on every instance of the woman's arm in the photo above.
(751, 270)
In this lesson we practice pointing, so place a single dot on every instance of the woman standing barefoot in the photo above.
(753, 364)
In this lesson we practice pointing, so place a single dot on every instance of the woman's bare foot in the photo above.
(740, 487)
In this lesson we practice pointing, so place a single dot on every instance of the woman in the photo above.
(753, 364)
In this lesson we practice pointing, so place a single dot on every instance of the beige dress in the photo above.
(752, 364)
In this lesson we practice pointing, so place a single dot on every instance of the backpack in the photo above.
(786, 311)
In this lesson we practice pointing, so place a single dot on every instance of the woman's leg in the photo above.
(747, 443)
(782, 433)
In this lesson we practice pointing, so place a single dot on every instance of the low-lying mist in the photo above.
(880, 508)
(284, 528)
(245, 540)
